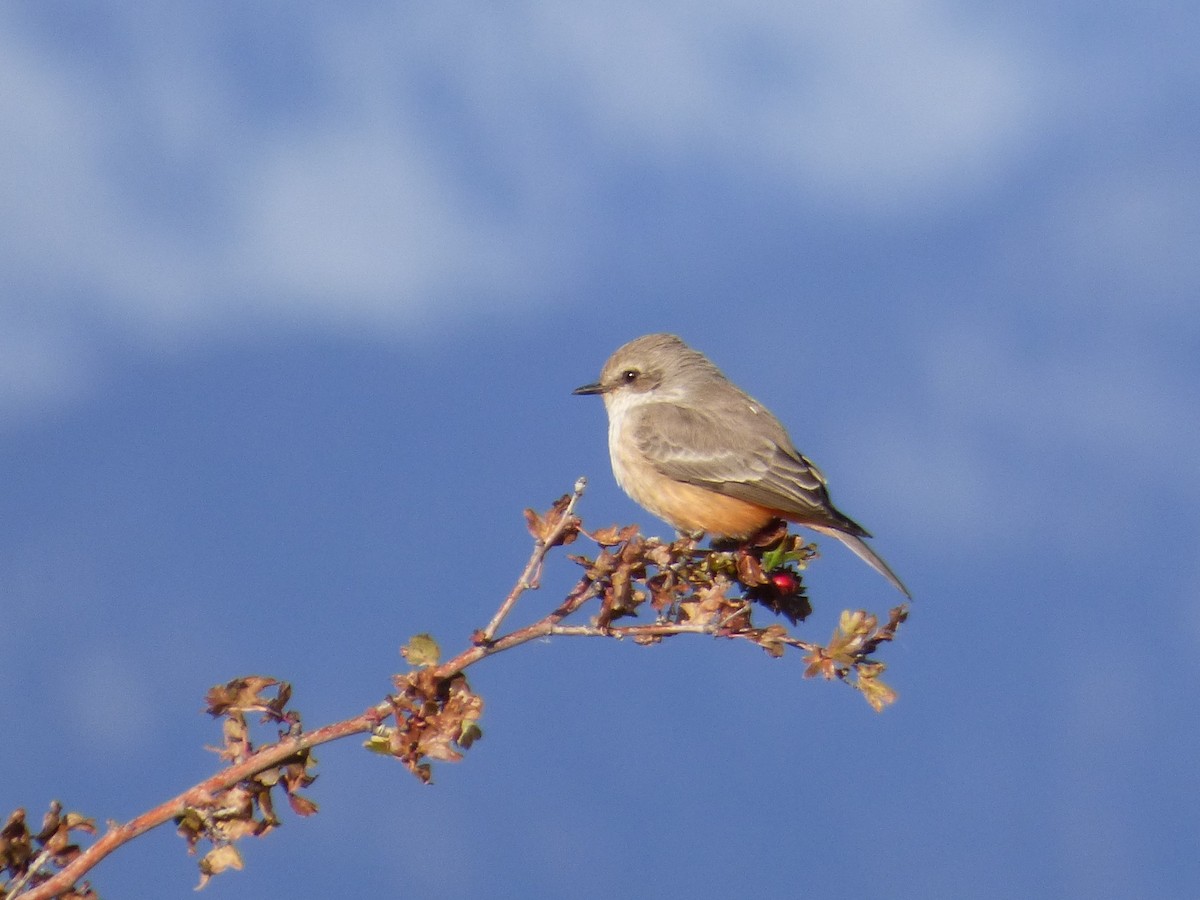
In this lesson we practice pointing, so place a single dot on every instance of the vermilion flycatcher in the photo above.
(699, 452)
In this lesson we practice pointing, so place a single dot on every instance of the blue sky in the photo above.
(291, 303)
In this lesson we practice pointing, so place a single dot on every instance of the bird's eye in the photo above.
(629, 376)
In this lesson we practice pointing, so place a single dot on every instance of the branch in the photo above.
(530, 578)
(432, 714)
(198, 797)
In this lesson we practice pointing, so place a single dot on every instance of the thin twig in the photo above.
(584, 591)
(266, 757)
(38, 861)
(532, 572)
(666, 629)
(485, 644)
(271, 755)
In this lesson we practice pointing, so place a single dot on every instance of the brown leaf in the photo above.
(749, 571)
(218, 860)
(771, 640)
(897, 615)
(302, 806)
(558, 509)
(665, 589)
(878, 694)
(645, 640)
(849, 641)
(819, 663)
(438, 745)
(710, 604)
(236, 737)
(299, 775)
(241, 694)
(536, 525)
(190, 826)
(236, 802)
(555, 527)
(619, 599)
(236, 829)
(607, 537)
(773, 532)
(278, 706)
(660, 554)
(78, 822)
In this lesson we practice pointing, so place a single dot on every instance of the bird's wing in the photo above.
(742, 453)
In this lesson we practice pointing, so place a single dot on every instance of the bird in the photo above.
(700, 453)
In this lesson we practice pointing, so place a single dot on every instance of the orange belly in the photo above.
(690, 509)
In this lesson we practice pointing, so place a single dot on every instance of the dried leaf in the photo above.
(771, 640)
(536, 525)
(241, 694)
(878, 694)
(749, 571)
(78, 822)
(440, 746)
(819, 663)
(775, 531)
(218, 860)
(607, 537)
(301, 806)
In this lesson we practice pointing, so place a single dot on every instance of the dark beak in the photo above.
(596, 388)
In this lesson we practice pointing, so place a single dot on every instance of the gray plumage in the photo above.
(671, 409)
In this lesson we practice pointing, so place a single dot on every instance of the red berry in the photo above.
(785, 581)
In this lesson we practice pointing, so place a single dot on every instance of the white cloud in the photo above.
(871, 105)
(353, 217)
(367, 226)
(872, 100)
(343, 218)
(450, 156)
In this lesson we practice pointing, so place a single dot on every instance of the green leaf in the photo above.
(421, 651)
(775, 558)
(468, 734)
(379, 743)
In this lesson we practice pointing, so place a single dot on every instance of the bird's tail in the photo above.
(865, 553)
